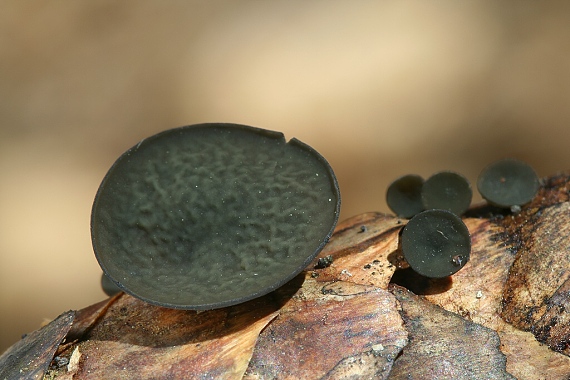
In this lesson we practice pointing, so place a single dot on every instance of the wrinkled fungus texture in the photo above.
(436, 243)
(211, 215)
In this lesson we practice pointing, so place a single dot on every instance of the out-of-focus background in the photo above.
(381, 89)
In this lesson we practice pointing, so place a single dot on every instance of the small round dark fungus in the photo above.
(404, 195)
(447, 191)
(508, 183)
(436, 243)
(108, 286)
(211, 215)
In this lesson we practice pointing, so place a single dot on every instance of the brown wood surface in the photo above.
(504, 315)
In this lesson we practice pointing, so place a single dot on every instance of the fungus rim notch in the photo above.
(295, 151)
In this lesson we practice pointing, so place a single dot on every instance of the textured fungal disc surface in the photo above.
(447, 191)
(211, 215)
(508, 182)
(436, 243)
(404, 195)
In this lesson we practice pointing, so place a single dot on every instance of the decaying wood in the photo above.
(504, 315)
(537, 292)
(30, 357)
(330, 330)
(447, 345)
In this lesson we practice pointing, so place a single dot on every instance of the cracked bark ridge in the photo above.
(537, 292)
(446, 345)
(329, 331)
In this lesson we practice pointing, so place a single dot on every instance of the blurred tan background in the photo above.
(381, 89)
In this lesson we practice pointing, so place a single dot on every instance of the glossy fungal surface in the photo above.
(447, 191)
(211, 215)
(436, 243)
(508, 182)
(404, 195)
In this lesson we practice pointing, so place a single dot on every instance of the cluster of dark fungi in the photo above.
(435, 242)
(212, 215)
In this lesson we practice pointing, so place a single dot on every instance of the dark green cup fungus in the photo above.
(508, 183)
(108, 286)
(211, 215)
(436, 243)
(404, 195)
(447, 191)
